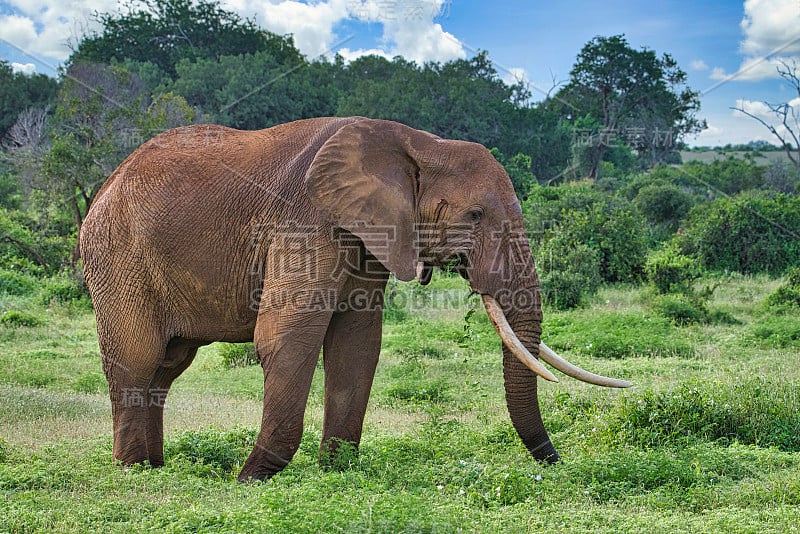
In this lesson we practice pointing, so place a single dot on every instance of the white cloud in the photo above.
(421, 41)
(771, 31)
(350, 55)
(26, 68)
(698, 64)
(753, 107)
(310, 24)
(17, 30)
(514, 75)
(45, 28)
(769, 25)
(409, 27)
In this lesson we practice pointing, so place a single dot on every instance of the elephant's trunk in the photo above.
(521, 346)
(521, 388)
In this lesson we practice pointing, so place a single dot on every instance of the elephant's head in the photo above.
(419, 201)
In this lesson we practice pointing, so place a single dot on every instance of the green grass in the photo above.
(706, 441)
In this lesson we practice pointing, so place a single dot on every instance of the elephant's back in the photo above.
(189, 213)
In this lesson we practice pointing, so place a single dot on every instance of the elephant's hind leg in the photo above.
(179, 355)
(130, 366)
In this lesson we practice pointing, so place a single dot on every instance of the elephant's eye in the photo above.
(475, 215)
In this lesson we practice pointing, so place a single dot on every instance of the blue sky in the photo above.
(721, 44)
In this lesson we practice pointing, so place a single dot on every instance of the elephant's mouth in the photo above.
(454, 263)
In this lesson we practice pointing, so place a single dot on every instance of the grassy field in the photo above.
(708, 440)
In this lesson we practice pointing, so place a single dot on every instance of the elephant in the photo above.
(207, 233)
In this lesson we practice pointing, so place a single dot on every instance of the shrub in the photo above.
(581, 215)
(751, 412)
(671, 271)
(238, 354)
(567, 274)
(17, 284)
(777, 331)
(729, 176)
(787, 294)
(215, 449)
(750, 233)
(782, 177)
(679, 308)
(17, 319)
(616, 233)
(63, 289)
(663, 204)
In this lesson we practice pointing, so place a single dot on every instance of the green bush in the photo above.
(756, 412)
(671, 271)
(777, 331)
(17, 319)
(617, 233)
(62, 288)
(787, 294)
(581, 215)
(663, 203)
(568, 275)
(238, 355)
(749, 233)
(17, 284)
(726, 176)
(681, 309)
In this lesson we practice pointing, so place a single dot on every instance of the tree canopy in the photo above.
(621, 95)
(163, 32)
(20, 91)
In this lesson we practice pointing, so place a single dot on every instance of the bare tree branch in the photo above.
(28, 131)
(785, 112)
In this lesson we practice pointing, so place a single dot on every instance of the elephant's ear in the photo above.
(366, 179)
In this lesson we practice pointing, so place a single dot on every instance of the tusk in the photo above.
(511, 340)
(547, 354)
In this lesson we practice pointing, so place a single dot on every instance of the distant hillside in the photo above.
(761, 158)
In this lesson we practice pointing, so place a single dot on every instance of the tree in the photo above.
(163, 32)
(631, 97)
(102, 114)
(19, 92)
(788, 113)
(519, 171)
(461, 99)
(254, 91)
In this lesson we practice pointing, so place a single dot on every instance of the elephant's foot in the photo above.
(261, 465)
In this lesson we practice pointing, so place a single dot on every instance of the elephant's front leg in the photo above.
(288, 340)
(351, 350)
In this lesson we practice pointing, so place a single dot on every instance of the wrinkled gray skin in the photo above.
(286, 237)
